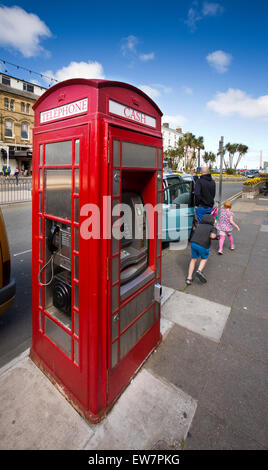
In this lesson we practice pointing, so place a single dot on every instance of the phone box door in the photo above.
(60, 268)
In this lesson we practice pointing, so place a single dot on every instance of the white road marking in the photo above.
(22, 253)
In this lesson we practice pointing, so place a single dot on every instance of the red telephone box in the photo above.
(96, 283)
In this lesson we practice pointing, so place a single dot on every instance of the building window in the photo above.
(27, 108)
(28, 87)
(12, 105)
(5, 80)
(8, 128)
(6, 103)
(22, 107)
(24, 131)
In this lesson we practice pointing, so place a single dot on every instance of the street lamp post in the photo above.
(221, 153)
(198, 162)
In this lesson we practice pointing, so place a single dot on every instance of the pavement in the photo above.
(204, 387)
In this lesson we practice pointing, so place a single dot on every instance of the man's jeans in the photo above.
(200, 211)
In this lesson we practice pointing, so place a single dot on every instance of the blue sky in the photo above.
(203, 62)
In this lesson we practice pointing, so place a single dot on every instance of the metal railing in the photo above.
(14, 190)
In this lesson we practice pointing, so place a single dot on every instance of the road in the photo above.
(16, 324)
(228, 189)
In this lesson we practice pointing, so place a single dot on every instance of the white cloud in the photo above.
(196, 14)
(150, 91)
(78, 70)
(211, 9)
(236, 101)
(146, 57)
(129, 45)
(175, 120)
(154, 90)
(192, 18)
(164, 88)
(22, 31)
(188, 90)
(129, 49)
(219, 60)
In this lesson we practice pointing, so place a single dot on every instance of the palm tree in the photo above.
(242, 150)
(209, 158)
(199, 146)
(173, 156)
(187, 146)
(231, 149)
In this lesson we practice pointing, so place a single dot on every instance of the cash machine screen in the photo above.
(134, 245)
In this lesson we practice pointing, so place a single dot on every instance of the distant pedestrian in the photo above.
(16, 174)
(225, 226)
(205, 190)
(200, 244)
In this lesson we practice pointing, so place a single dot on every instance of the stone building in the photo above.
(16, 122)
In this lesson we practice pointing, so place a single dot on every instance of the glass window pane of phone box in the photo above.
(58, 192)
(59, 153)
(136, 155)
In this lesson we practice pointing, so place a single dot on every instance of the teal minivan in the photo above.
(178, 207)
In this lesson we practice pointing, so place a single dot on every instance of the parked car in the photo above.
(7, 284)
(252, 174)
(178, 207)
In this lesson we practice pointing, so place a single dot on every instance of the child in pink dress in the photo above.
(225, 226)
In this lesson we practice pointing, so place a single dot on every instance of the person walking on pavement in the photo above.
(200, 244)
(205, 190)
(16, 174)
(225, 226)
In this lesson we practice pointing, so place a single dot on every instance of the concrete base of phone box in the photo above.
(130, 357)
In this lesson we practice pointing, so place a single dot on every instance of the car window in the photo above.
(179, 193)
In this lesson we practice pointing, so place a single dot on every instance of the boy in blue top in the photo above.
(200, 244)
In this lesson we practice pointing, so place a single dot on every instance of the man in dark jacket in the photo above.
(205, 190)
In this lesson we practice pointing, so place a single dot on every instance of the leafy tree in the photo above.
(172, 156)
(187, 147)
(242, 150)
(232, 149)
(199, 146)
(209, 158)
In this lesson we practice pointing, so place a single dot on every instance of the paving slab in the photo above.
(34, 415)
(257, 262)
(247, 333)
(148, 412)
(182, 359)
(261, 250)
(255, 218)
(236, 391)
(252, 298)
(237, 257)
(199, 315)
(262, 239)
(254, 277)
(222, 291)
(222, 269)
(244, 206)
(174, 270)
(209, 432)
